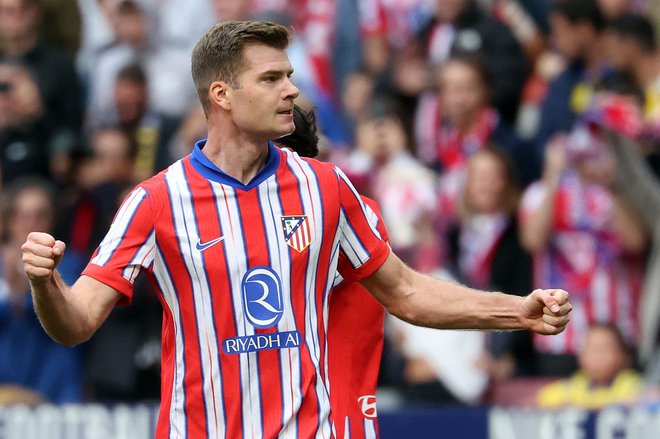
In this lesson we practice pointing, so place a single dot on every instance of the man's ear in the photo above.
(220, 94)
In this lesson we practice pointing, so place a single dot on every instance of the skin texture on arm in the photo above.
(426, 301)
(70, 315)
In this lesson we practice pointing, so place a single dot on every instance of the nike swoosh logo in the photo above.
(203, 246)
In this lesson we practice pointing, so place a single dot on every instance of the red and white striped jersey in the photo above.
(355, 346)
(244, 273)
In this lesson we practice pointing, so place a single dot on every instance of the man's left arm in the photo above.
(426, 301)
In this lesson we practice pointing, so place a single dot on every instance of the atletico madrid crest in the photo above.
(297, 232)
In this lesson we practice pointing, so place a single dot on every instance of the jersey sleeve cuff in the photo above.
(378, 257)
(111, 279)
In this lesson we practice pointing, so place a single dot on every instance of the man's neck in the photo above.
(236, 157)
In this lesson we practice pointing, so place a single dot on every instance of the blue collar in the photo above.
(204, 166)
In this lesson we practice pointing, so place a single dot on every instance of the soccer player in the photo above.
(243, 241)
(355, 322)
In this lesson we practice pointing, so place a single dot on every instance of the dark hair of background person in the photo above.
(512, 189)
(304, 140)
(580, 11)
(133, 73)
(477, 63)
(625, 346)
(637, 28)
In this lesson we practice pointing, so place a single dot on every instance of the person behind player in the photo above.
(243, 240)
(355, 322)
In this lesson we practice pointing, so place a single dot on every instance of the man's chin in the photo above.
(279, 136)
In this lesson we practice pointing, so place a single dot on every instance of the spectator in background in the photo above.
(459, 25)
(61, 24)
(485, 251)
(29, 144)
(96, 33)
(103, 179)
(517, 16)
(51, 68)
(385, 27)
(585, 236)
(633, 51)
(382, 167)
(613, 9)
(455, 123)
(605, 376)
(575, 33)
(167, 67)
(132, 112)
(639, 185)
(28, 357)
(439, 367)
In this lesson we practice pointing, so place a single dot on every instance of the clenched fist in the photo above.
(546, 311)
(41, 254)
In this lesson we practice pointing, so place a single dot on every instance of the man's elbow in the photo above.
(71, 338)
(404, 310)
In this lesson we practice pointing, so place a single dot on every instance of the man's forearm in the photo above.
(454, 306)
(63, 319)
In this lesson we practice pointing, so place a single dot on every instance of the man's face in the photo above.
(462, 93)
(262, 101)
(621, 52)
(32, 212)
(130, 100)
(601, 357)
(565, 37)
(18, 19)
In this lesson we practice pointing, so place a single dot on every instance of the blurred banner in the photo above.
(138, 422)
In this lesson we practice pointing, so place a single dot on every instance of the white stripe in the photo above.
(350, 243)
(356, 254)
(227, 205)
(347, 428)
(312, 207)
(188, 235)
(143, 258)
(119, 226)
(177, 413)
(278, 253)
(369, 429)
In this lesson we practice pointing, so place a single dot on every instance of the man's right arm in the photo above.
(70, 315)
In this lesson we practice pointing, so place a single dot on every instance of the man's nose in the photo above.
(292, 91)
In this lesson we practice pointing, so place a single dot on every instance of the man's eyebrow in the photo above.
(274, 72)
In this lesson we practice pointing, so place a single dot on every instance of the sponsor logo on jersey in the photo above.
(261, 342)
(262, 297)
(297, 233)
(368, 405)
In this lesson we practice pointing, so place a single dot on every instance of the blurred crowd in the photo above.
(511, 145)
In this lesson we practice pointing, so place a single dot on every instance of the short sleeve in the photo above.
(128, 247)
(363, 249)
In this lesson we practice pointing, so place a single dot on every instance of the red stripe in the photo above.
(307, 415)
(196, 424)
(256, 244)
